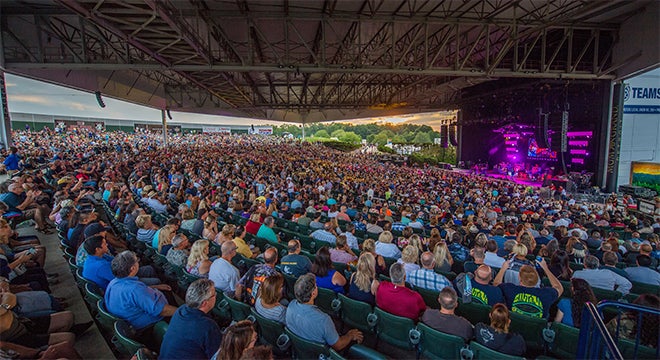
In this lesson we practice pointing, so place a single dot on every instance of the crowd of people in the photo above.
(395, 227)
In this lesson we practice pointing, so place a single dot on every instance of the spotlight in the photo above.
(99, 99)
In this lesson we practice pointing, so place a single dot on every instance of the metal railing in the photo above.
(595, 342)
(636, 311)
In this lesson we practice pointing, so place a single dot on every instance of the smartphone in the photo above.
(32, 251)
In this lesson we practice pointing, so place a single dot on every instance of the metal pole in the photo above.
(164, 118)
(5, 120)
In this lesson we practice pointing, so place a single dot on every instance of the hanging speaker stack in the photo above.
(444, 136)
(453, 140)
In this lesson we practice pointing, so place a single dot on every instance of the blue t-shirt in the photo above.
(98, 270)
(530, 301)
(132, 300)
(11, 162)
(486, 294)
(191, 334)
(267, 233)
(565, 306)
(310, 323)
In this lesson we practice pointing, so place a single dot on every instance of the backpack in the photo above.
(464, 286)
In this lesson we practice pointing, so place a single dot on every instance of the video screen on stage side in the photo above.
(536, 152)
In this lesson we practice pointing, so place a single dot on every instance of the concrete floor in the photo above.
(91, 344)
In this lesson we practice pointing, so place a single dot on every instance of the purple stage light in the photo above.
(511, 149)
(579, 134)
(578, 143)
(509, 142)
(578, 152)
(577, 161)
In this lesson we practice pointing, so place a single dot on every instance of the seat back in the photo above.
(92, 296)
(641, 288)
(239, 310)
(354, 313)
(435, 344)
(566, 341)
(474, 312)
(160, 328)
(393, 329)
(269, 330)
(324, 300)
(481, 352)
(104, 318)
(305, 349)
(530, 328)
(123, 339)
(430, 296)
(221, 310)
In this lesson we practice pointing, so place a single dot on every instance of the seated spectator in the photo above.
(519, 260)
(260, 352)
(226, 234)
(426, 277)
(146, 229)
(238, 338)
(293, 263)
(363, 284)
(628, 328)
(533, 301)
(242, 247)
(268, 303)
(326, 235)
(342, 253)
(369, 245)
(497, 336)
(478, 259)
(192, 333)
(395, 298)
(60, 350)
(222, 272)
(602, 279)
(642, 272)
(198, 261)
(326, 276)
(188, 220)
(178, 254)
(27, 204)
(482, 291)
(255, 276)
(456, 248)
(164, 236)
(253, 225)
(409, 257)
(444, 320)
(304, 319)
(266, 230)
(351, 240)
(569, 310)
(210, 227)
(443, 259)
(559, 265)
(130, 299)
(385, 247)
(609, 263)
(33, 304)
(490, 257)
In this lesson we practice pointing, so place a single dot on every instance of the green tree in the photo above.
(422, 138)
(322, 134)
(350, 137)
(338, 133)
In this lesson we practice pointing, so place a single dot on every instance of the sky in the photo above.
(36, 97)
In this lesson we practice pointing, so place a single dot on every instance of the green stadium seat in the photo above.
(627, 349)
(104, 318)
(269, 330)
(221, 310)
(430, 297)
(481, 352)
(354, 313)
(358, 352)
(474, 312)
(434, 344)
(160, 328)
(289, 281)
(566, 341)
(641, 288)
(324, 300)
(123, 339)
(305, 349)
(92, 296)
(530, 328)
(239, 310)
(394, 330)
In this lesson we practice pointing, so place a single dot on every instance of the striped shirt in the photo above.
(428, 279)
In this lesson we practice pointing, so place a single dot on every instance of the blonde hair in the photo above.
(165, 236)
(441, 253)
(366, 271)
(142, 220)
(369, 245)
(385, 237)
(415, 241)
(410, 254)
(228, 230)
(197, 252)
(520, 250)
(188, 214)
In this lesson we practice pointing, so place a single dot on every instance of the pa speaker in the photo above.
(99, 99)
(444, 136)
(542, 131)
(453, 140)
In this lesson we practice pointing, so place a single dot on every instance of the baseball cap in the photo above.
(95, 228)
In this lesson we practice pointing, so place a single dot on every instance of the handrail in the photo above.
(591, 346)
(634, 307)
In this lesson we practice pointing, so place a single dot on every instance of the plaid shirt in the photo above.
(325, 236)
(428, 279)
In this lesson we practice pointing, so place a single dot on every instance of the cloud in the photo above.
(30, 99)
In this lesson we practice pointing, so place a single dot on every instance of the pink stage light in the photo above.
(578, 152)
(577, 161)
(578, 143)
(579, 134)
(511, 149)
(509, 142)
(511, 136)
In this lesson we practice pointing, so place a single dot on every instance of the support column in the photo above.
(164, 118)
(459, 135)
(614, 145)
(5, 120)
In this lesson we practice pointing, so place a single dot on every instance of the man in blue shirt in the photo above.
(12, 161)
(304, 319)
(129, 299)
(192, 333)
(266, 230)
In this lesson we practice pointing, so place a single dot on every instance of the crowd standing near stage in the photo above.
(515, 248)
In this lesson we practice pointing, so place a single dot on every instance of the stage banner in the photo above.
(614, 147)
(642, 96)
(216, 130)
(265, 130)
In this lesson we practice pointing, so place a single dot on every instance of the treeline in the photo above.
(373, 133)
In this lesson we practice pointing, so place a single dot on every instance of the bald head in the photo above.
(293, 246)
(270, 256)
(483, 274)
(428, 261)
(228, 249)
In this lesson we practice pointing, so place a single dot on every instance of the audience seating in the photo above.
(305, 349)
(395, 330)
(438, 345)
(269, 331)
(566, 341)
(239, 310)
(481, 352)
(354, 314)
